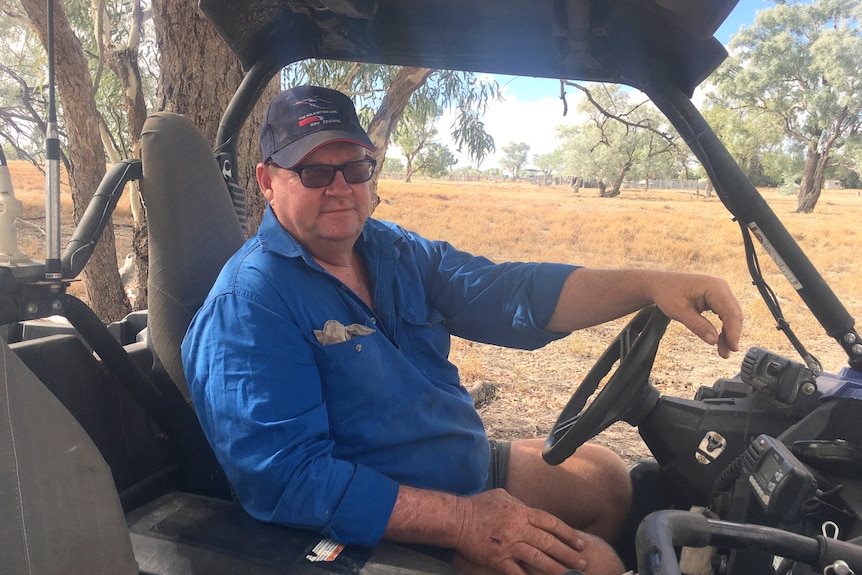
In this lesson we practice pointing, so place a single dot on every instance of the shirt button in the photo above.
(358, 347)
(373, 320)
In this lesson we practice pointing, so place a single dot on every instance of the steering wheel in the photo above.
(627, 396)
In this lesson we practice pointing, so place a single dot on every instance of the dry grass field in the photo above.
(671, 230)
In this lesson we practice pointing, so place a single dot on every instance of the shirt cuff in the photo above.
(364, 511)
(540, 295)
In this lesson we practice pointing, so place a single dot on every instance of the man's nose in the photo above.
(339, 185)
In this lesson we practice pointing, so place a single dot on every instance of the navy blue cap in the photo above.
(303, 119)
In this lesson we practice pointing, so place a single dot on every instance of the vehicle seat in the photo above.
(193, 229)
(60, 510)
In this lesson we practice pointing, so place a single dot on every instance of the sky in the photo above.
(529, 98)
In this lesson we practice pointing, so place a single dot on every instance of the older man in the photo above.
(319, 366)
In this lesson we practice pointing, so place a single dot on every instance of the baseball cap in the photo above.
(302, 119)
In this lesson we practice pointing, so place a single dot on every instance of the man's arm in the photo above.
(590, 297)
(492, 529)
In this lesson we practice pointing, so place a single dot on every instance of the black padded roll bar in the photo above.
(98, 215)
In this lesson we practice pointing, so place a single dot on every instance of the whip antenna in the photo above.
(53, 269)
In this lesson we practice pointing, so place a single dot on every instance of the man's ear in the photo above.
(264, 180)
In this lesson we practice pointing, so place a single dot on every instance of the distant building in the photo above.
(832, 185)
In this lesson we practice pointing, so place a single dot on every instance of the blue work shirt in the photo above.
(320, 435)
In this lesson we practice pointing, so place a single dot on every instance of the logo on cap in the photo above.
(324, 112)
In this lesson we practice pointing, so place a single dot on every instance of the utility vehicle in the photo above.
(105, 469)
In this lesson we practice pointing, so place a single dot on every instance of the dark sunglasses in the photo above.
(318, 176)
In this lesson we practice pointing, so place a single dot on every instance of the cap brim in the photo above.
(293, 154)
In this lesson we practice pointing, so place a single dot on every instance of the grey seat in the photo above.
(193, 230)
(58, 500)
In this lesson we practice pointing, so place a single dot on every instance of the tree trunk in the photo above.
(812, 180)
(199, 75)
(104, 290)
(619, 181)
(123, 61)
(407, 80)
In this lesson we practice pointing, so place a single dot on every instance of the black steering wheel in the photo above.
(627, 396)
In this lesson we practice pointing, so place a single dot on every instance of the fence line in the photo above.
(540, 180)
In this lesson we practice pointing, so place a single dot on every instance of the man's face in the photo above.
(318, 216)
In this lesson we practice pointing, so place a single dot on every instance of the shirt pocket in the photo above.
(355, 381)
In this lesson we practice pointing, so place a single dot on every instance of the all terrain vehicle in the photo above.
(105, 469)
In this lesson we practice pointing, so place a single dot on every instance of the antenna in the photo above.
(53, 269)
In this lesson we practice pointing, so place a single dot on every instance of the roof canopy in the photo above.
(634, 42)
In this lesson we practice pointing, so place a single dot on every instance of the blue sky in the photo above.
(539, 98)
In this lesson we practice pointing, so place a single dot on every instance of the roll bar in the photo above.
(662, 531)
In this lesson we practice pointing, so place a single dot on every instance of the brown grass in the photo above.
(29, 186)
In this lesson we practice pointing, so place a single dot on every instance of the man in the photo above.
(318, 367)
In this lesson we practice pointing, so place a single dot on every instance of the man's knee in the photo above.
(609, 471)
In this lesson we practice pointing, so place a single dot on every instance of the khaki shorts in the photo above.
(498, 468)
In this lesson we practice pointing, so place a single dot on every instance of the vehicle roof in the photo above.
(634, 42)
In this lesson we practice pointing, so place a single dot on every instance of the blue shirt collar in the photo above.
(274, 238)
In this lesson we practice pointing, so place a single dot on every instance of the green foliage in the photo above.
(415, 132)
(514, 157)
(436, 160)
(796, 76)
(550, 162)
(622, 138)
(393, 165)
(23, 91)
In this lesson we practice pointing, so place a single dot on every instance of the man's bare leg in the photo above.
(591, 491)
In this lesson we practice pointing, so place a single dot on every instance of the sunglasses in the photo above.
(318, 176)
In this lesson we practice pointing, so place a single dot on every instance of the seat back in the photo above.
(60, 509)
(193, 230)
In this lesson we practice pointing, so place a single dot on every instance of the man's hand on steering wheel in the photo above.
(684, 298)
(628, 395)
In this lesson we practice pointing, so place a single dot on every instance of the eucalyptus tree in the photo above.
(515, 155)
(749, 138)
(622, 137)
(415, 131)
(549, 163)
(23, 93)
(436, 160)
(800, 66)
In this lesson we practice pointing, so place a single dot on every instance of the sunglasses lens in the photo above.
(358, 172)
(320, 176)
(317, 176)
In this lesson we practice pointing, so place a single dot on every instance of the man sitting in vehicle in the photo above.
(319, 367)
